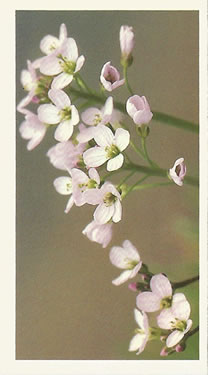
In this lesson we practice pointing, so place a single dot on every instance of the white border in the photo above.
(8, 364)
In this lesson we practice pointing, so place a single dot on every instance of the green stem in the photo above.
(157, 116)
(183, 283)
(144, 147)
(125, 179)
(136, 183)
(191, 333)
(126, 80)
(137, 149)
(149, 186)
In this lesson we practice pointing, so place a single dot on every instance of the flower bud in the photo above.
(180, 348)
(133, 287)
(178, 172)
(126, 44)
(164, 352)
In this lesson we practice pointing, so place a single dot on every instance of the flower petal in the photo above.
(79, 64)
(124, 276)
(117, 211)
(136, 342)
(63, 131)
(181, 307)
(90, 115)
(48, 113)
(161, 286)
(50, 65)
(140, 318)
(115, 163)
(59, 98)
(174, 338)
(104, 137)
(69, 205)
(69, 49)
(142, 117)
(148, 302)
(122, 138)
(108, 110)
(103, 213)
(93, 174)
(74, 115)
(86, 135)
(63, 185)
(62, 32)
(49, 43)
(61, 81)
(94, 157)
(165, 318)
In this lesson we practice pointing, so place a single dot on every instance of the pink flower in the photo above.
(160, 297)
(29, 82)
(110, 77)
(49, 44)
(95, 117)
(66, 155)
(178, 172)
(61, 113)
(176, 319)
(127, 258)
(139, 341)
(33, 129)
(81, 183)
(108, 200)
(109, 148)
(126, 40)
(63, 185)
(138, 108)
(64, 64)
(100, 233)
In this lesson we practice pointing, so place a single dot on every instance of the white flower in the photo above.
(127, 258)
(139, 341)
(66, 155)
(108, 200)
(61, 112)
(33, 130)
(49, 44)
(63, 185)
(64, 64)
(109, 148)
(81, 183)
(100, 233)
(159, 298)
(176, 318)
(178, 172)
(138, 108)
(110, 77)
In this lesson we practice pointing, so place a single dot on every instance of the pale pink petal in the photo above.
(89, 115)
(135, 270)
(94, 157)
(117, 84)
(93, 196)
(61, 81)
(148, 302)
(69, 205)
(36, 63)
(161, 286)
(62, 32)
(48, 113)
(93, 174)
(103, 213)
(108, 110)
(122, 138)
(126, 40)
(86, 135)
(131, 250)
(188, 326)
(79, 64)
(181, 310)
(136, 342)
(120, 256)
(24, 102)
(117, 211)
(165, 319)
(104, 137)
(74, 115)
(122, 278)
(131, 105)
(69, 49)
(115, 163)
(50, 65)
(78, 176)
(63, 131)
(26, 80)
(140, 317)
(142, 117)
(63, 185)
(48, 44)
(174, 338)
(59, 98)
(101, 234)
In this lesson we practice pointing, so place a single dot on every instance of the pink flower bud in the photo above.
(180, 348)
(178, 172)
(139, 110)
(133, 287)
(110, 77)
(126, 40)
(164, 352)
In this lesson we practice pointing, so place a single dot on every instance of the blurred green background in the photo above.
(66, 306)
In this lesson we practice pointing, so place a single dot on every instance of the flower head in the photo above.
(63, 185)
(127, 258)
(138, 108)
(160, 297)
(64, 64)
(61, 113)
(126, 43)
(139, 341)
(109, 148)
(178, 172)
(81, 183)
(100, 233)
(110, 77)
(66, 155)
(33, 130)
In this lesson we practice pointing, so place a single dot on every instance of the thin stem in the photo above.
(110, 174)
(125, 179)
(180, 284)
(149, 186)
(191, 333)
(81, 83)
(144, 147)
(136, 183)
(137, 149)
(126, 80)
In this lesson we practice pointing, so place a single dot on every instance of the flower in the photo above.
(110, 147)
(138, 108)
(127, 258)
(95, 117)
(126, 41)
(64, 64)
(61, 112)
(49, 44)
(33, 129)
(81, 183)
(63, 185)
(66, 155)
(139, 341)
(100, 233)
(159, 298)
(177, 319)
(110, 77)
(178, 172)
(108, 200)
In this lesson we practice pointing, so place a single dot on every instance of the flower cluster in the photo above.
(93, 137)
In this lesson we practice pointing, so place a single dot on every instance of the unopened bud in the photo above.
(180, 348)
(133, 287)
(164, 352)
